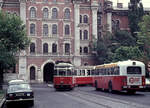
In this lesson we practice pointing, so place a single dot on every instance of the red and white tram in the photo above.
(63, 76)
(83, 75)
(126, 75)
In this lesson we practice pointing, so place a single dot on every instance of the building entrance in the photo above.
(48, 72)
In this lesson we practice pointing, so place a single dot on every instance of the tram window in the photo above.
(75, 72)
(88, 72)
(62, 72)
(133, 70)
(69, 72)
(55, 72)
(80, 73)
(92, 72)
(83, 72)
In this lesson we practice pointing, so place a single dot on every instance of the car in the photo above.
(147, 83)
(17, 81)
(19, 92)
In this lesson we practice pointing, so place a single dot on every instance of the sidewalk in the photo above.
(2, 99)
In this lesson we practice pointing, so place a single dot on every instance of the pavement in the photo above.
(2, 99)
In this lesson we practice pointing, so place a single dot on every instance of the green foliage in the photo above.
(117, 47)
(12, 38)
(144, 36)
(125, 53)
(135, 15)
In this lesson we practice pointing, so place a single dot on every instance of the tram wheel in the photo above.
(131, 91)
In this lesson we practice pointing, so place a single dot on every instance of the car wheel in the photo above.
(31, 103)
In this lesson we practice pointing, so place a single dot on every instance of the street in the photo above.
(86, 97)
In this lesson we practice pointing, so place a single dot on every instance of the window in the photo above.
(45, 13)
(32, 73)
(32, 29)
(67, 48)
(32, 48)
(117, 24)
(80, 34)
(45, 48)
(32, 12)
(67, 30)
(85, 19)
(67, 14)
(54, 29)
(54, 48)
(54, 1)
(80, 18)
(85, 34)
(85, 50)
(80, 50)
(45, 1)
(134, 70)
(54, 13)
(45, 30)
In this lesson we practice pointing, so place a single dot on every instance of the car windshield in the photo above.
(18, 87)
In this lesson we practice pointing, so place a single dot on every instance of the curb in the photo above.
(2, 102)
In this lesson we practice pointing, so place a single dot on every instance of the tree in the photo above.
(144, 38)
(12, 40)
(135, 15)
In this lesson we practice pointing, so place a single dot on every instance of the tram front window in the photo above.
(69, 73)
(62, 72)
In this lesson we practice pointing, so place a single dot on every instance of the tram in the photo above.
(63, 76)
(83, 75)
(120, 76)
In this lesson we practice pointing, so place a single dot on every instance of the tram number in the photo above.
(134, 80)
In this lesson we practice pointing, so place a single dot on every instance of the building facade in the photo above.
(61, 30)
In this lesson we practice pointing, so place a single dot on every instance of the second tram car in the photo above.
(63, 76)
(126, 75)
(83, 75)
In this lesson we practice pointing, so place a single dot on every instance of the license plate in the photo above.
(20, 94)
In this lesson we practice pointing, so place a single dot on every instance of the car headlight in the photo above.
(10, 95)
(28, 94)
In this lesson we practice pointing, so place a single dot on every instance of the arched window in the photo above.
(32, 12)
(85, 50)
(32, 48)
(54, 29)
(45, 30)
(80, 34)
(32, 29)
(117, 24)
(80, 18)
(67, 48)
(45, 13)
(80, 50)
(32, 73)
(85, 19)
(85, 34)
(67, 13)
(54, 13)
(54, 48)
(45, 48)
(67, 30)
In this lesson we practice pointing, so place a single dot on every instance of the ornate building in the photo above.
(61, 30)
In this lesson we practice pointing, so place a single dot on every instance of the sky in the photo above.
(146, 3)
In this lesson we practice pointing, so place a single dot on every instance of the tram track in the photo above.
(103, 101)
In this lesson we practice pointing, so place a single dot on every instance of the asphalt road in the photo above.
(85, 97)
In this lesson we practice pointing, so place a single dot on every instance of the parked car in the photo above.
(19, 91)
(147, 82)
(17, 81)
